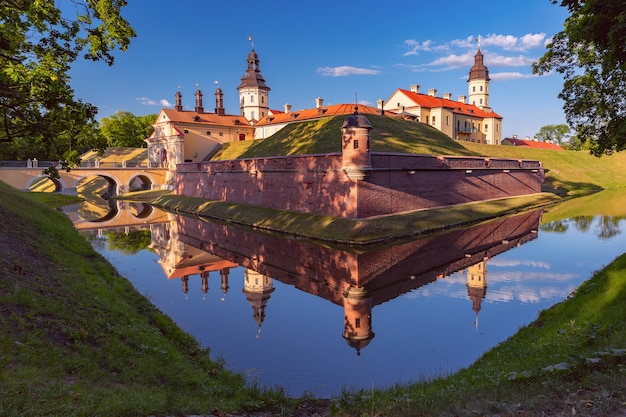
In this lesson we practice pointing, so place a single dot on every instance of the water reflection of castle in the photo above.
(356, 280)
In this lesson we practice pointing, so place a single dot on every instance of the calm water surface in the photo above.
(315, 320)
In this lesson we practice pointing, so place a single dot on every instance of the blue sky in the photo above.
(334, 50)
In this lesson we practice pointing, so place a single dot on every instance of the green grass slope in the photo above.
(324, 136)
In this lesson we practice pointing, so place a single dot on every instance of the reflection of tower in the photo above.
(185, 285)
(477, 285)
(204, 275)
(357, 307)
(257, 288)
(224, 274)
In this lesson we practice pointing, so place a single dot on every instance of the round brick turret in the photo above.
(356, 159)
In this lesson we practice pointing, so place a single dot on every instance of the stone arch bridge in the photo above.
(121, 179)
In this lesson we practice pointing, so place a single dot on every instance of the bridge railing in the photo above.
(30, 163)
(35, 164)
(120, 164)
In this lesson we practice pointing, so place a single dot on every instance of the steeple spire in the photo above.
(253, 92)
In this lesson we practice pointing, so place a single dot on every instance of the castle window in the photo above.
(208, 133)
(357, 322)
(185, 131)
(481, 101)
(447, 120)
(486, 127)
(356, 144)
(262, 99)
(481, 88)
(433, 120)
(251, 99)
(473, 89)
(221, 133)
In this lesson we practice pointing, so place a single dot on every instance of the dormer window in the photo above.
(196, 118)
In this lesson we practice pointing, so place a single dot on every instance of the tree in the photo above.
(127, 130)
(590, 52)
(553, 133)
(38, 44)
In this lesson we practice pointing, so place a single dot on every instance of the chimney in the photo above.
(447, 96)
(287, 108)
(432, 92)
(319, 102)
(514, 136)
(199, 108)
(179, 102)
(462, 99)
(219, 102)
(380, 104)
(415, 88)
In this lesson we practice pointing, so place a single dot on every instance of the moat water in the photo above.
(315, 320)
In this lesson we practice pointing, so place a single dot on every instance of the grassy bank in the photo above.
(343, 231)
(76, 339)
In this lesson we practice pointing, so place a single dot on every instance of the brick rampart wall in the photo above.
(397, 182)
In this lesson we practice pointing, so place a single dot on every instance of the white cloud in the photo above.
(147, 101)
(345, 70)
(459, 53)
(416, 46)
(165, 103)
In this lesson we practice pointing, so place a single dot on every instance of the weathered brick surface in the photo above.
(396, 182)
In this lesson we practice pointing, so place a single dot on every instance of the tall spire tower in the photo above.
(479, 82)
(253, 92)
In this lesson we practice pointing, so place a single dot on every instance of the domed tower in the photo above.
(356, 158)
(253, 92)
(479, 83)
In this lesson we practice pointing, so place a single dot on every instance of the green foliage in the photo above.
(38, 44)
(553, 133)
(590, 53)
(124, 129)
(129, 243)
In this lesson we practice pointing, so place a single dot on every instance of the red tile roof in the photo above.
(187, 116)
(316, 113)
(458, 107)
(531, 144)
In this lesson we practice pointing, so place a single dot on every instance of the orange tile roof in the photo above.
(316, 113)
(187, 116)
(532, 144)
(458, 107)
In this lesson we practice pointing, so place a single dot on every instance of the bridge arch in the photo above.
(59, 184)
(113, 184)
(140, 182)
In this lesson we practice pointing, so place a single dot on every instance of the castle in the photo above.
(354, 183)
(195, 135)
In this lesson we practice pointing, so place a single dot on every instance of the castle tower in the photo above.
(357, 307)
(258, 289)
(253, 92)
(219, 102)
(179, 101)
(478, 83)
(356, 158)
(199, 106)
